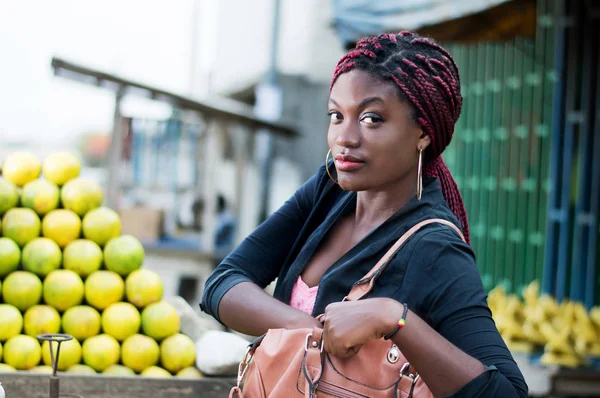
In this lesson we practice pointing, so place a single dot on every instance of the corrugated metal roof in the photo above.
(354, 19)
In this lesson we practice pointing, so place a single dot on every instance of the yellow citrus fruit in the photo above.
(22, 352)
(123, 254)
(118, 370)
(10, 256)
(70, 353)
(103, 288)
(143, 287)
(41, 196)
(81, 195)
(101, 225)
(6, 368)
(120, 320)
(11, 321)
(63, 289)
(9, 195)
(191, 372)
(177, 352)
(41, 319)
(83, 257)
(41, 256)
(155, 371)
(22, 289)
(21, 225)
(160, 320)
(61, 167)
(81, 369)
(62, 226)
(21, 167)
(101, 351)
(81, 322)
(45, 369)
(139, 352)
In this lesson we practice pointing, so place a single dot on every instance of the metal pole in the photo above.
(268, 105)
(272, 76)
(54, 387)
(115, 151)
(554, 216)
(194, 49)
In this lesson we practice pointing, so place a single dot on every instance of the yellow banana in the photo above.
(532, 333)
(513, 330)
(594, 350)
(531, 293)
(569, 361)
(548, 305)
(595, 316)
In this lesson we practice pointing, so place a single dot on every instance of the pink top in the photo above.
(303, 297)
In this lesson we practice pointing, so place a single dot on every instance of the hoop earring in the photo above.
(327, 166)
(420, 175)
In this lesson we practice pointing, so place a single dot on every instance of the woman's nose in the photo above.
(348, 136)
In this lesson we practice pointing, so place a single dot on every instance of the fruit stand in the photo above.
(69, 265)
(556, 345)
(66, 267)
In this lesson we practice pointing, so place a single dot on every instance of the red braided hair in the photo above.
(427, 78)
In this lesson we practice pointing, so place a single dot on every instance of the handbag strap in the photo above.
(367, 282)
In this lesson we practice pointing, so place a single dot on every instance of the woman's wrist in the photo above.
(392, 312)
(301, 320)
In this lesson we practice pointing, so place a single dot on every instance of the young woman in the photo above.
(394, 102)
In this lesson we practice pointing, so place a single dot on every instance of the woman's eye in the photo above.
(370, 118)
(335, 117)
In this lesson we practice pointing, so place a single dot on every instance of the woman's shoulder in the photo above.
(439, 244)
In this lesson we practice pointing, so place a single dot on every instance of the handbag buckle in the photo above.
(243, 367)
(404, 371)
(314, 344)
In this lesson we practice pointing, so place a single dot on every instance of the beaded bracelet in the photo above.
(400, 324)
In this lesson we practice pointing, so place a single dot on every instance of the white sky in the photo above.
(147, 41)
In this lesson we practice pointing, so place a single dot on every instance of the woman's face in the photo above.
(372, 136)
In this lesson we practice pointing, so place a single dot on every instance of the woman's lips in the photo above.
(347, 163)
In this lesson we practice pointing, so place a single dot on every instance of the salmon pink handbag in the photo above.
(292, 363)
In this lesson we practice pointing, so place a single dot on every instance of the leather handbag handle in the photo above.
(366, 284)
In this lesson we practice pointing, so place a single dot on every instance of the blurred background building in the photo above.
(201, 116)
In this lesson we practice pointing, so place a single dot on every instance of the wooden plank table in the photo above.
(31, 385)
(542, 382)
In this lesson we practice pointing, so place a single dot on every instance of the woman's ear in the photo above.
(424, 141)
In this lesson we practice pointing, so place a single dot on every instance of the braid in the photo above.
(427, 78)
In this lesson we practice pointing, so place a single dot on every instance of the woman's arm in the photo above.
(249, 310)
(234, 293)
(445, 368)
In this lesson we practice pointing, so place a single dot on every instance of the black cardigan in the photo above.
(434, 273)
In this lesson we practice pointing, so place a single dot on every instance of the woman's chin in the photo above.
(352, 184)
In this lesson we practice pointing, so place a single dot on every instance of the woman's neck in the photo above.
(373, 208)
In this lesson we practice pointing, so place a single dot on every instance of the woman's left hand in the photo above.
(350, 324)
